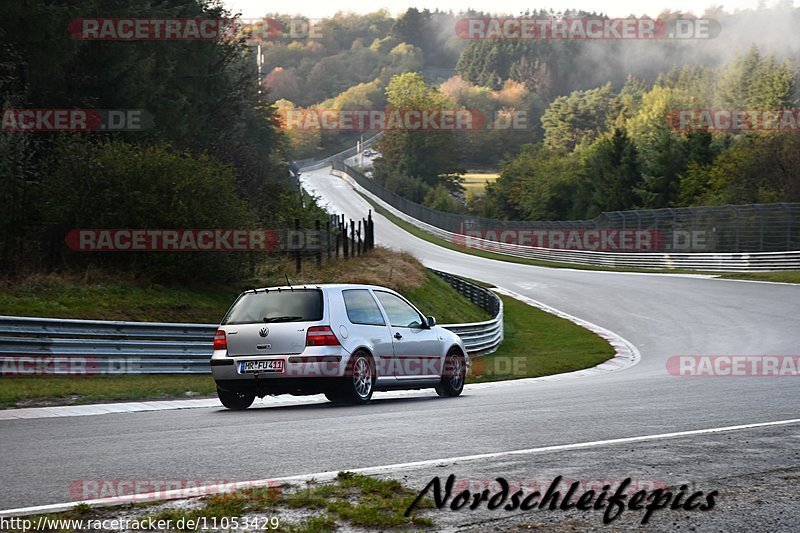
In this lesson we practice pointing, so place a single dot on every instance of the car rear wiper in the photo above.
(285, 318)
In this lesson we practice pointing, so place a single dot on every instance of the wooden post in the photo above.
(328, 240)
(345, 240)
(297, 258)
(360, 244)
(319, 242)
(352, 238)
(338, 235)
(370, 235)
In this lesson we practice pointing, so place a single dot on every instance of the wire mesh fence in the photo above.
(716, 229)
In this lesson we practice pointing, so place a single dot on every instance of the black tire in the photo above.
(359, 382)
(238, 401)
(453, 374)
(334, 396)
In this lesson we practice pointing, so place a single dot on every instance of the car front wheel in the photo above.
(237, 401)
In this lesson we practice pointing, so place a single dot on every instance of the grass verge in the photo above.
(41, 391)
(106, 299)
(792, 276)
(349, 501)
(789, 276)
(537, 344)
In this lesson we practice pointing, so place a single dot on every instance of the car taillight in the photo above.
(321, 336)
(220, 341)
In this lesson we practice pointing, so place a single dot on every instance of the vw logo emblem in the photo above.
(264, 332)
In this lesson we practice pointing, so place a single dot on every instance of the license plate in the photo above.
(264, 365)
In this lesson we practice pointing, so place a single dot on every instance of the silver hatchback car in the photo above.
(345, 341)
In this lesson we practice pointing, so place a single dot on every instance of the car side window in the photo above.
(362, 308)
(400, 313)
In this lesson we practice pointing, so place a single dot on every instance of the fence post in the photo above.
(328, 239)
(319, 242)
(371, 236)
(362, 237)
(297, 258)
(352, 238)
(342, 236)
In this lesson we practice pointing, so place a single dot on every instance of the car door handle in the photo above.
(398, 336)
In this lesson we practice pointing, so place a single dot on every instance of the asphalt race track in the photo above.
(754, 468)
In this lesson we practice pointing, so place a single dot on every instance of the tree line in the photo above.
(213, 157)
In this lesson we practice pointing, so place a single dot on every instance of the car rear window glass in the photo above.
(362, 308)
(299, 305)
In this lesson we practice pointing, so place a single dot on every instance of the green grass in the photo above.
(792, 276)
(66, 297)
(348, 501)
(232, 504)
(72, 390)
(438, 299)
(361, 501)
(536, 344)
(789, 276)
(354, 499)
(72, 298)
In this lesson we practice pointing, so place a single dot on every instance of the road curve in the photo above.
(662, 315)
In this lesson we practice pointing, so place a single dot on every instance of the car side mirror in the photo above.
(431, 321)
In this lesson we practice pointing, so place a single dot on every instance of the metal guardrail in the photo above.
(39, 346)
(480, 338)
(709, 262)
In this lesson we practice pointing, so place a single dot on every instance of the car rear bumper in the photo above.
(314, 368)
(265, 387)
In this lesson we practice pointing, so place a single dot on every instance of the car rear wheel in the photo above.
(359, 381)
(238, 401)
(455, 369)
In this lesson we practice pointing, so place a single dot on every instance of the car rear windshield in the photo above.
(298, 305)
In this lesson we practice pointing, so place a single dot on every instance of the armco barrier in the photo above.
(35, 346)
(709, 262)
